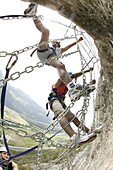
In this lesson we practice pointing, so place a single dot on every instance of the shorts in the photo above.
(43, 55)
(58, 107)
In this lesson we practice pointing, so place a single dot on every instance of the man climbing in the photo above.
(45, 53)
(56, 100)
(7, 165)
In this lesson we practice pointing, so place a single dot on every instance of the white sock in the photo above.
(90, 131)
(70, 85)
(72, 137)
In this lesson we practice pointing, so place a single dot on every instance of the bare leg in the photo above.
(68, 128)
(77, 123)
(56, 64)
(44, 31)
(61, 71)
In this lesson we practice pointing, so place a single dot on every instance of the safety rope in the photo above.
(3, 94)
(2, 110)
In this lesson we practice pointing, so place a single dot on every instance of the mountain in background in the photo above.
(22, 104)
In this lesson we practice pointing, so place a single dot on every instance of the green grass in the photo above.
(13, 116)
(27, 141)
(20, 141)
(30, 159)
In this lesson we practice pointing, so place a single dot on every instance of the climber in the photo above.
(7, 165)
(56, 101)
(45, 52)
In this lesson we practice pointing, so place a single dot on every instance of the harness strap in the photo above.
(51, 102)
(33, 52)
(38, 51)
(54, 50)
(41, 51)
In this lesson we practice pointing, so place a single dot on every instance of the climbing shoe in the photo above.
(31, 10)
(75, 92)
(87, 90)
(97, 130)
(82, 139)
(87, 138)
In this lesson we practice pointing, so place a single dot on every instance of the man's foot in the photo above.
(31, 10)
(88, 90)
(97, 130)
(83, 139)
(87, 138)
(74, 93)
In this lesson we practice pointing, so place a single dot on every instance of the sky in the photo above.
(17, 34)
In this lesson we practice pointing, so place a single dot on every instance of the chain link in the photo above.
(4, 54)
(7, 126)
(11, 17)
(40, 148)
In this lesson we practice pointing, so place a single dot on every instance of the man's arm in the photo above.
(14, 166)
(76, 75)
(70, 45)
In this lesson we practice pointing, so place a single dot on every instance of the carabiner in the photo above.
(13, 63)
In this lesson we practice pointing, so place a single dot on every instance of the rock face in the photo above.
(96, 18)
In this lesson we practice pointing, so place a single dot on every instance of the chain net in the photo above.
(86, 52)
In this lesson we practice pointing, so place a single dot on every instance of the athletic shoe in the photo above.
(88, 90)
(87, 138)
(83, 139)
(90, 131)
(75, 92)
(97, 130)
(31, 10)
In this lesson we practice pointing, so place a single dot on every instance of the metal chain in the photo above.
(11, 17)
(17, 52)
(40, 148)
(73, 145)
(36, 136)
(29, 69)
